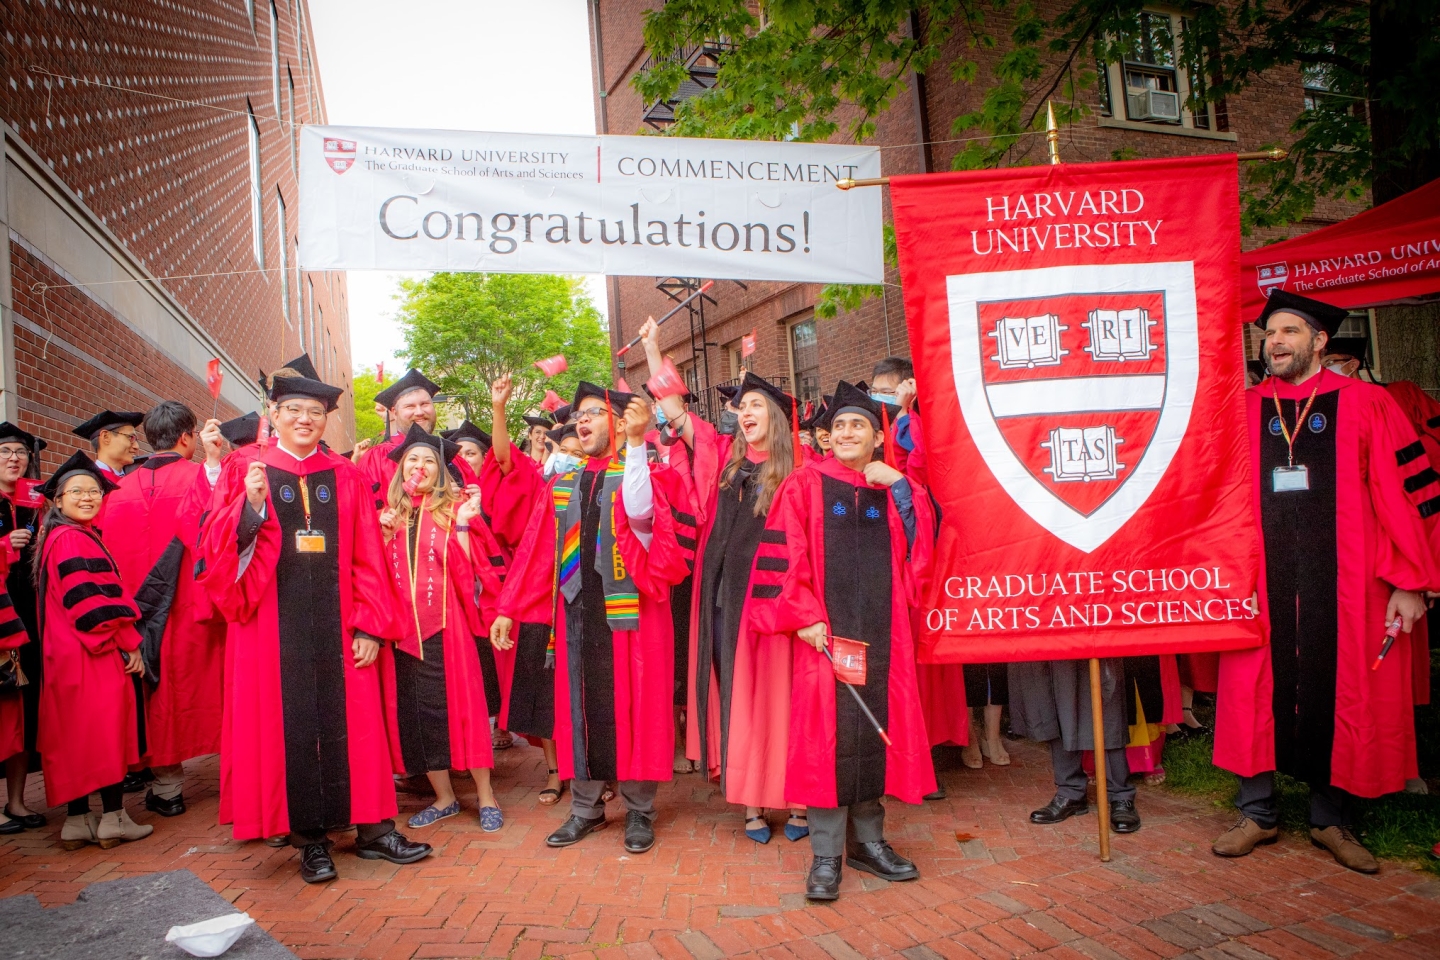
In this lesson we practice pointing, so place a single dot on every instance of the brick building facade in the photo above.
(807, 355)
(149, 198)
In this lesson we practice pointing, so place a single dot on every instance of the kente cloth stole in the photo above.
(622, 599)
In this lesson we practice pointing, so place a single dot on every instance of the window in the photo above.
(275, 55)
(734, 359)
(284, 256)
(1154, 78)
(250, 12)
(293, 132)
(257, 211)
(805, 360)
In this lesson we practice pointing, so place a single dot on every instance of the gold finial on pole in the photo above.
(1274, 153)
(1052, 132)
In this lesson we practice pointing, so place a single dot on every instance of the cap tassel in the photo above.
(795, 432)
(610, 421)
(885, 428)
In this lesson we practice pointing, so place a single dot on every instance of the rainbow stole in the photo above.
(622, 598)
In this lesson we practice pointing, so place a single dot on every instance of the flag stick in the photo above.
(859, 702)
(703, 287)
(1097, 730)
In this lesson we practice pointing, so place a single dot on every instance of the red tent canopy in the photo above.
(1387, 254)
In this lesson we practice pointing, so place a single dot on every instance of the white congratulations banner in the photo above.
(382, 199)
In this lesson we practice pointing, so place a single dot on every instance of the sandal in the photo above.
(970, 755)
(1199, 730)
(1155, 777)
(797, 831)
(551, 795)
(501, 740)
(684, 765)
(995, 752)
(760, 834)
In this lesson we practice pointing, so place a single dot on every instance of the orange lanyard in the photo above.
(305, 501)
(1299, 419)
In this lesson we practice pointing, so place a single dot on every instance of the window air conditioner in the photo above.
(1154, 105)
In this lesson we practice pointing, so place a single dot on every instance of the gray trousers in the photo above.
(639, 796)
(827, 826)
(1070, 778)
(1329, 806)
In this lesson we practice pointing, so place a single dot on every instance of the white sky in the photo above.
(520, 66)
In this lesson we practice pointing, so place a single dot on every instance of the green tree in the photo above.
(466, 329)
(363, 387)
(806, 69)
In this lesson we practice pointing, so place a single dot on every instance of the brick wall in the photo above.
(850, 344)
(171, 180)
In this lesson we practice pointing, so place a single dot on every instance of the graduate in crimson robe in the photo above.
(738, 686)
(608, 542)
(410, 400)
(435, 545)
(88, 733)
(294, 559)
(845, 546)
(152, 522)
(512, 487)
(12, 705)
(1342, 489)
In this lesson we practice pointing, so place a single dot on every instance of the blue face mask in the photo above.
(560, 464)
(660, 418)
(886, 398)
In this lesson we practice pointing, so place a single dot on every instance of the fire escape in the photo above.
(702, 63)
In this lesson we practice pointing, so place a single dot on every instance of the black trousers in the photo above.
(1329, 806)
(112, 798)
(364, 833)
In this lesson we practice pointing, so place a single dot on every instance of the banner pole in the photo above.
(1097, 727)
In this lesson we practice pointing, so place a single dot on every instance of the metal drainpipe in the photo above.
(612, 286)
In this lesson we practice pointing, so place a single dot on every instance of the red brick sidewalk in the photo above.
(706, 891)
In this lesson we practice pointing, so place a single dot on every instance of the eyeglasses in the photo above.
(589, 413)
(295, 412)
(13, 453)
(84, 494)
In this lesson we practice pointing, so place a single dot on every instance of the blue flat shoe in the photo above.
(430, 815)
(761, 833)
(795, 832)
(491, 819)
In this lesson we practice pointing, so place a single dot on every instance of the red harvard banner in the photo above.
(1388, 253)
(1077, 343)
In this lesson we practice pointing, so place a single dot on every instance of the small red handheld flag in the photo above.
(747, 344)
(552, 366)
(380, 372)
(25, 493)
(552, 402)
(667, 381)
(622, 386)
(214, 377)
(849, 660)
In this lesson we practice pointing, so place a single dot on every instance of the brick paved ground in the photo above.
(1002, 888)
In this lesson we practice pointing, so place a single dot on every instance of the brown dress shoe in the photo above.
(1245, 836)
(1347, 850)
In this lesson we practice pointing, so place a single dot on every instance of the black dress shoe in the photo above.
(1123, 818)
(166, 808)
(938, 794)
(11, 826)
(30, 821)
(395, 847)
(573, 830)
(1059, 809)
(639, 832)
(315, 863)
(823, 883)
(880, 859)
(136, 781)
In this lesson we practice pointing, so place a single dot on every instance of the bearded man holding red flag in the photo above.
(1342, 490)
(609, 539)
(845, 546)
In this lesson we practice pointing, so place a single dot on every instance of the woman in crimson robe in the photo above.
(846, 543)
(12, 704)
(88, 733)
(608, 543)
(512, 488)
(294, 559)
(437, 697)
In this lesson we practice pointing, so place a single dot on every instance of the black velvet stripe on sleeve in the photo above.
(11, 628)
(1433, 422)
(111, 611)
(85, 565)
(1410, 452)
(772, 564)
(765, 591)
(84, 591)
(681, 517)
(1421, 479)
(773, 536)
(687, 542)
(5, 602)
(1430, 507)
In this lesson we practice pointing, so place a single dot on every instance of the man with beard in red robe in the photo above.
(846, 543)
(409, 400)
(606, 537)
(293, 557)
(1342, 488)
(152, 520)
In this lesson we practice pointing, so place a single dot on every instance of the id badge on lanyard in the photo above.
(308, 540)
(1294, 476)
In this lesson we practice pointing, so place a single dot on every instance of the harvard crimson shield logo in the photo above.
(1076, 383)
(339, 154)
(1271, 275)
